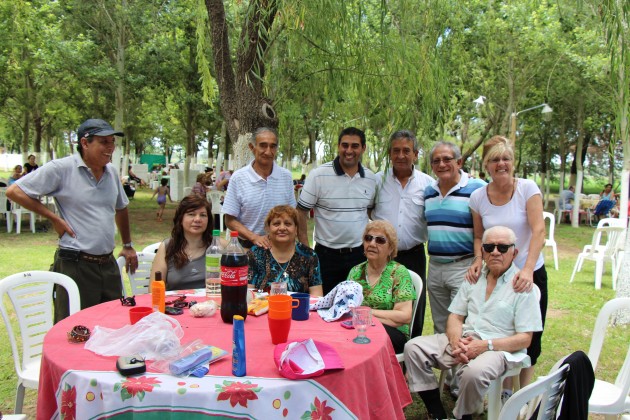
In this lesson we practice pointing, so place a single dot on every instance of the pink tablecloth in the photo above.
(371, 386)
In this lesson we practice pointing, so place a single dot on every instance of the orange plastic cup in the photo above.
(282, 303)
(138, 312)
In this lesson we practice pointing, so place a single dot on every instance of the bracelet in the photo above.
(79, 334)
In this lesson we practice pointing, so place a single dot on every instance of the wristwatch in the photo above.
(490, 346)
(128, 245)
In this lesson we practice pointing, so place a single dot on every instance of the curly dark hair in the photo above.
(177, 245)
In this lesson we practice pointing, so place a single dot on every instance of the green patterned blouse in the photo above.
(394, 286)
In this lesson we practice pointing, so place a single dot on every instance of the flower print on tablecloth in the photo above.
(237, 392)
(319, 411)
(68, 402)
(132, 387)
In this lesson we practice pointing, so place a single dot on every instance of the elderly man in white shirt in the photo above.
(400, 201)
(487, 332)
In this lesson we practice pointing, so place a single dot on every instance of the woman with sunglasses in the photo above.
(515, 203)
(286, 260)
(182, 257)
(387, 286)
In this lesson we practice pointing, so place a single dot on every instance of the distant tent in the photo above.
(151, 160)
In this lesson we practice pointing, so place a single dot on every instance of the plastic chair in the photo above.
(417, 285)
(151, 249)
(4, 209)
(17, 211)
(607, 398)
(30, 293)
(558, 211)
(550, 241)
(138, 281)
(599, 252)
(547, 392)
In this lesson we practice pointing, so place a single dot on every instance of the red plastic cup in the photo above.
(279, 326)
(138, 312)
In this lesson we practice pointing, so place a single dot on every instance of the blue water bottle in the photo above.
(239, 364)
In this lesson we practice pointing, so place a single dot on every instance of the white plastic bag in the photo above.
(154, 337)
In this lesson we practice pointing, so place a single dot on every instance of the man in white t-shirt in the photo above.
(257, 188)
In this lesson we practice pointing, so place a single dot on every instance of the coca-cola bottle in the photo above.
(233, 280)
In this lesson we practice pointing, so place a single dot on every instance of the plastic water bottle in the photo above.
(233, 280)
(213, 267)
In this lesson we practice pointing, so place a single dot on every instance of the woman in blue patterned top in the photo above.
(286, 260)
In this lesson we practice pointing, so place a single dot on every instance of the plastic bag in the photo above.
(154, 337)
(190, 357)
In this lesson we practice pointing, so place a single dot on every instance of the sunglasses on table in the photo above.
(381, 240)
(501, 247)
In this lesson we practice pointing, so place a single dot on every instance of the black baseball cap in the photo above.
(96, 127)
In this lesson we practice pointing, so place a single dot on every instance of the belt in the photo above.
(95, 259)
(454, 260)
(339, 250)
(416, 248)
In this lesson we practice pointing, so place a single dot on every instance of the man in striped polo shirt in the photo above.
(450, 227)
(341, 192)
(256, 189)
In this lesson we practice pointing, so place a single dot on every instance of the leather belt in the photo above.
(339, 250)
(454, 260)
(95, 259)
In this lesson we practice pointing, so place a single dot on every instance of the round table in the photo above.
(82, 384)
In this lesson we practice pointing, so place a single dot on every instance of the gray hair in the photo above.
(499, 229)
(457, 154)
(261, 130)
(404, 135)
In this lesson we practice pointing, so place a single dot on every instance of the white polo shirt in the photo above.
(250, 197)
(341, 203)
(403, 207)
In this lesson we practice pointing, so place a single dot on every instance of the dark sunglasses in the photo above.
(501, 247)
(128, 301)
(379, 239)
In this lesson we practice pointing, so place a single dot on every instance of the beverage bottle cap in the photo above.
(238, 318)
(216, 232)
(234, 234)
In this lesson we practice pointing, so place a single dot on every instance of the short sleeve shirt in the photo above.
(394, 286)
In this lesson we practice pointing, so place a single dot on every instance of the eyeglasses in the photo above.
(381, 240)
(501, 247)
(128, 301)
(445, 160)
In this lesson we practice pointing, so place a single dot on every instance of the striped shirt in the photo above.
(341, 203)
(250, 197)
(449, 220)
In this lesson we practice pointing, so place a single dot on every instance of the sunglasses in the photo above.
(128, 301)
(501, 247)
(381, 240)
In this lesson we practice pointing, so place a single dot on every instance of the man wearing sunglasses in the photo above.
(400, 201)
(90, 198)
(488, 331)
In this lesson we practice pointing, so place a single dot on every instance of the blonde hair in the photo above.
(497, 146)
(388, 230)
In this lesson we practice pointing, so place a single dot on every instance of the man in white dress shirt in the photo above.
(400, 201)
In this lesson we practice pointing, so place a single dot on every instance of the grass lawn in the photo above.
(570, 318)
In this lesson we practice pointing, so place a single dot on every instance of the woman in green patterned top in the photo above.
(387, 286)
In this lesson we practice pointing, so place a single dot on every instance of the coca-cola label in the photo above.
(234, 276)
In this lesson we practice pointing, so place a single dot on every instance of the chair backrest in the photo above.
(151, 249)
(214, 197)
(30, 293)
(611, 221)
(556, 202)
(593, 196)
(548, 389)
(614, 240)
(138, 281)
(417, 284)
(3, 202)
(552, 224)
(601, 323)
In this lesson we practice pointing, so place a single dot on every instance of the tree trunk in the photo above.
(578, 161)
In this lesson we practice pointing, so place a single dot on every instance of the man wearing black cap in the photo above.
(89, 196)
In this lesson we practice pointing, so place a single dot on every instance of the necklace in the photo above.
(514, 181)
(283, 273)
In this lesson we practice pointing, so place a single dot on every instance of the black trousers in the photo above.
(335, 264)
(415, 260)
(397, 338)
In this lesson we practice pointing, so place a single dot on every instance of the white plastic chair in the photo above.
(4, 209)
(30, 293)
(558, 211)
(547, 392)
(550, 241)
(607, 398)
(611, 221)
(139, 281)
(417, 285)
(18, 211)
(151, 249)
(601, 252)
